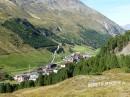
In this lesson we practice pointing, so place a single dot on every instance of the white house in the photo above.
(55, 71)
(33, 76)
(62, 66)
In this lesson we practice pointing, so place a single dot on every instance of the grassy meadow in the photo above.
(16, 62)
(85, 49)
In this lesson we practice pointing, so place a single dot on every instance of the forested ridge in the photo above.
(106, 59)
(116, 44)
(28, 33)
(93, 38)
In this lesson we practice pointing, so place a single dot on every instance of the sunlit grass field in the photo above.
(85, 49)
(16, 62)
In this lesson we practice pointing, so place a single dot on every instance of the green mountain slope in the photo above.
(7, 41)
(19, 43)
(30, 29)
(66, 19)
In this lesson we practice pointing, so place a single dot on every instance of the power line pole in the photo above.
(29, 69)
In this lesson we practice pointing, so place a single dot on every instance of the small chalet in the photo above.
(21, 78)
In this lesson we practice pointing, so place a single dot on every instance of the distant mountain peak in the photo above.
(127, 27)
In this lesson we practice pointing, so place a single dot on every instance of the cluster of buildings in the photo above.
(33, 75)
(50, 68)
(76, 57)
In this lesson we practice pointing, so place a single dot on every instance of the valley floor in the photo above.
(113, 83)
(19, 62)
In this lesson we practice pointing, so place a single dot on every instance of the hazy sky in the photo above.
(116, 10)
